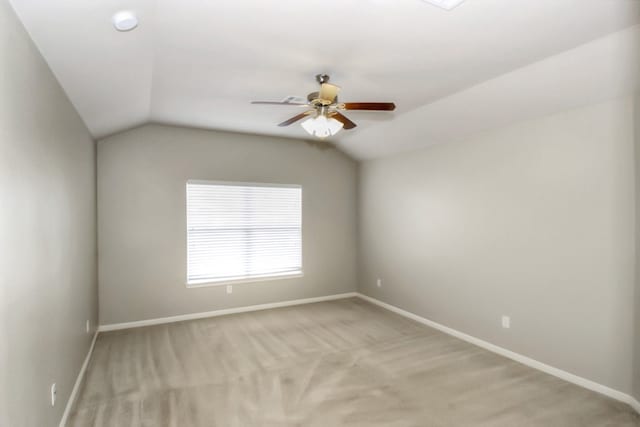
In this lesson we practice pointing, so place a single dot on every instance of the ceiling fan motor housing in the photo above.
(314, 99)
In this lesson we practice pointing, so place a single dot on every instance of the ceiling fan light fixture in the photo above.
(322, 126)
(445, 4)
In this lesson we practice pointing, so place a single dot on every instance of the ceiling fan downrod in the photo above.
(322, 78)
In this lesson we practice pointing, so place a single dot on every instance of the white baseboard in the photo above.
(567, 376)
(76, 386)
(214, 313)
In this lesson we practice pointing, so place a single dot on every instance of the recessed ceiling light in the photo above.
(445, 4)
(125, 21)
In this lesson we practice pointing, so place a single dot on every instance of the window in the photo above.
(239, 231)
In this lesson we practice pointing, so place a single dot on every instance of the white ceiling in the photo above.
(200, 63)
(599, 70)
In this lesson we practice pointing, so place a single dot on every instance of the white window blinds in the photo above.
(242, 231)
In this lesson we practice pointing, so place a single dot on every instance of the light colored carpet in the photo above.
(339, 363)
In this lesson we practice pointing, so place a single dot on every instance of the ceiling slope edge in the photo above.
(602, 69)
(313, 143)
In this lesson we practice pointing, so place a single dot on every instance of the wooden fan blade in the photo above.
(348, 124)
(277, 103)
(328, 92)
(295, 118)
(372, 106)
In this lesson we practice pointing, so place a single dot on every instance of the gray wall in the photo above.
(48, 278)
(636, 335)
(534, 221)
(141, 203)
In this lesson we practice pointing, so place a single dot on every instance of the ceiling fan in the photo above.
(324, 117)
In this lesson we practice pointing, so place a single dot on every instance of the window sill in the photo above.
(248, 280)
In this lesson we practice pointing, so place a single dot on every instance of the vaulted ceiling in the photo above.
(199, 63)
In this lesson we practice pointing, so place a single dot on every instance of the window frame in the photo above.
(262, 278)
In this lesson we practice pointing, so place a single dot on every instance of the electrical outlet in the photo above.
(229, 289)
(88, 326)
(53, 394)
(379, 283)
(506, 322)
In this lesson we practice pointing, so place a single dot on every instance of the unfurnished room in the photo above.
(306, 213)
